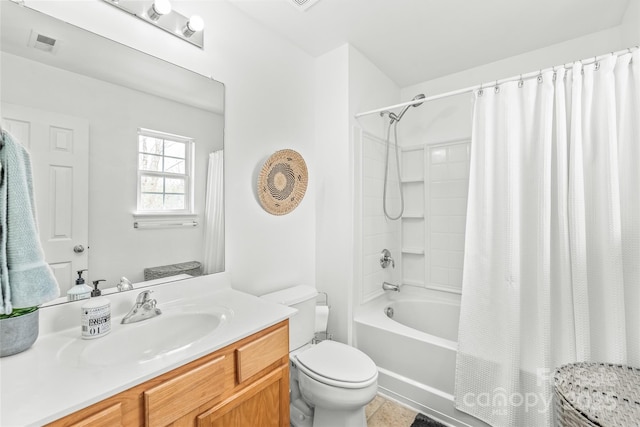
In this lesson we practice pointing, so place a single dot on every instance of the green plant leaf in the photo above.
(18, 312)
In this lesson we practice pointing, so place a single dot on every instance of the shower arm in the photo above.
(386, 110)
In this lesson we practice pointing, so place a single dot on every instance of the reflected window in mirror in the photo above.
(165, 173)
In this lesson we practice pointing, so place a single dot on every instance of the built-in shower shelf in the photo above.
(413, 216)
(413, 251)
(418, 180)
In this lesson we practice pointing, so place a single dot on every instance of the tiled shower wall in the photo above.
(427, 243)
(447, 180)
(378, 233)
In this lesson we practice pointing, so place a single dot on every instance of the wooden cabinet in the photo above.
(245, 383)
(259, 404)
(167, 402)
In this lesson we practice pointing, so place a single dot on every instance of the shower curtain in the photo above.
(552, 249)
(214, 215)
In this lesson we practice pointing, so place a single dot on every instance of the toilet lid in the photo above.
(338, 362)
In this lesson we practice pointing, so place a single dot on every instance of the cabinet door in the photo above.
(264, 403)
(258, 354)
(178, 396)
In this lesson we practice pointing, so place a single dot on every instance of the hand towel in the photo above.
(26, 279)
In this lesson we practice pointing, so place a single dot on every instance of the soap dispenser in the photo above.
(95, 317)
(80, 290)
(96, 292)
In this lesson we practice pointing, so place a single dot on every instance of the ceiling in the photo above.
(417, 40)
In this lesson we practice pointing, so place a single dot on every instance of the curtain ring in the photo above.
(481, 91)
(540, 79)
(520, 82)
(496, 89)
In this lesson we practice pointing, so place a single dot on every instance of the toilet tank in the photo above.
(301, 324)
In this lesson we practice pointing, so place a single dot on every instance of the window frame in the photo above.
(188, 175)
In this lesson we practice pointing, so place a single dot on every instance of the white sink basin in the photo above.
(175, 330)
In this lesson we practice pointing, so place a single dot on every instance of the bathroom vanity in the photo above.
(245, 383)
(160, 371)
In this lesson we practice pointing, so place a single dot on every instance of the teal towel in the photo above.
(26, 279)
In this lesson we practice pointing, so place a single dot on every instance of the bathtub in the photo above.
(415, 350)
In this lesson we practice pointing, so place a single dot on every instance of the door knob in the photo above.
(78, 249)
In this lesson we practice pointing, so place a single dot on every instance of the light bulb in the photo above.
(158, 8)
(193, 25)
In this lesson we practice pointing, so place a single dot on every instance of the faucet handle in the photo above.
(386, 259)
(143, 297)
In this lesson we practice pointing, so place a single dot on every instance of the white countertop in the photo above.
(38, 386)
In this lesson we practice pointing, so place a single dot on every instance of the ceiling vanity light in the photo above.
(194, 24)
(158, 8)
(161, 15)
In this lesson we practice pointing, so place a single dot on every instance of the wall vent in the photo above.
(42, 42)
(302, 5)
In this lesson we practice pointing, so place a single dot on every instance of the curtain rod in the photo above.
(470, 89)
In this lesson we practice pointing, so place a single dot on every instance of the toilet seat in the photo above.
(338, 365)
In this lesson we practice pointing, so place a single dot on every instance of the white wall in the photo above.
(269, 106)
(630, 26)
(334, 235)
(450, 118)
(346, 82)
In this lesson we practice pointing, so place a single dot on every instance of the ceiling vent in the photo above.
(42, 42)
(302, 5)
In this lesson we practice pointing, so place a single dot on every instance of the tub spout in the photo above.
(390, 287)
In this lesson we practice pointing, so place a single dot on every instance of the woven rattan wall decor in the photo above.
(282, 182)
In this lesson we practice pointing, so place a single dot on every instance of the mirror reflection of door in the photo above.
(59, 148)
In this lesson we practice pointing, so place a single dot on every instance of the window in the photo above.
(165, 173)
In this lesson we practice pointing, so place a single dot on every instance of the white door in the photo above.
(59, 147)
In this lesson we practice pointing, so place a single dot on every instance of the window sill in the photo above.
(164, 220)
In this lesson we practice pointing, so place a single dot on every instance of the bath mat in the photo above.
(424, 421)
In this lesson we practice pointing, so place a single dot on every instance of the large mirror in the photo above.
(126, 152)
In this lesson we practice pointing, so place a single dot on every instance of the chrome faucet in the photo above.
(386, 259)
(124, 285)
(390, 287)
(144, 308)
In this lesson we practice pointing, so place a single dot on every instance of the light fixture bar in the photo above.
(160, 14)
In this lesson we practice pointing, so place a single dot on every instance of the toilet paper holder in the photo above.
(322, 310)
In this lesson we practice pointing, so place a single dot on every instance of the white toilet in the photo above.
(330, 382)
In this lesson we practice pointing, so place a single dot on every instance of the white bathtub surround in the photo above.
(416, 350)
(378, 233)
(551, 272)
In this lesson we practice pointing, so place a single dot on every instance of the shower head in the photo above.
(397, 118)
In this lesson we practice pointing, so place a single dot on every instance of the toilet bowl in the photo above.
(337, 381)
(330, 382)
